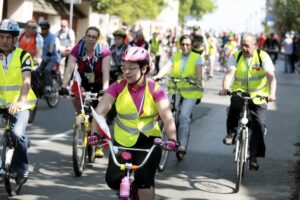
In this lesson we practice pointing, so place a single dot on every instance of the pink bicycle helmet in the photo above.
(136, 54)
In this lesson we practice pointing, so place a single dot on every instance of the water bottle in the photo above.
(125, 187)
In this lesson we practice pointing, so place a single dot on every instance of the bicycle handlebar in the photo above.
(176, 80)
(246, 96)
(115, 150)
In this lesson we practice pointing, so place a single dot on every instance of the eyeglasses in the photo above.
(44, 28)
(92, 37)
(130, 69)
(185, 44)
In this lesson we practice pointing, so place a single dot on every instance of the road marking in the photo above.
(57, 136)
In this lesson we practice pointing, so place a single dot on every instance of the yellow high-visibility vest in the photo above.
(251, 79)
(185, 89)
(11, 82)
(129, 124)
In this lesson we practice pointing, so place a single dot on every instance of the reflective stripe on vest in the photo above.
(251, 79)
(135, 131)
(129, 124)
(10, 88)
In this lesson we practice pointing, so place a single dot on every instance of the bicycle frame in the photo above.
(242, 125)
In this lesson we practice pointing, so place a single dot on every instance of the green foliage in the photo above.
(130, 10)
(196, 8)
(287, 15)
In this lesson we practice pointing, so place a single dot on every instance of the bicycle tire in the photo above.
(91, 153)
(53, 99)
(164, 153)
(79, 143)
(240, 164)
(32, 114)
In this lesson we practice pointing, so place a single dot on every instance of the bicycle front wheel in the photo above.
(53, 98)
(240, 164)
(7, 175)
(79, 149)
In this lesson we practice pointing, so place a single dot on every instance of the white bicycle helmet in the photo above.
(9, 26)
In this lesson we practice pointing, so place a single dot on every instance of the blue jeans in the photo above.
(20, 162)
(185, 106)
(288, 63)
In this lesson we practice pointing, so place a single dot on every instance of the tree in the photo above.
(287, 14)
(195, 8)
(130, 10)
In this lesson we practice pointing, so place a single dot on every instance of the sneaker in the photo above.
(229, 139)
(99, 152)
(181, 149)
(253, 165)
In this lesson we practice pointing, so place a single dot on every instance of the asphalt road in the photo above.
(206, 173)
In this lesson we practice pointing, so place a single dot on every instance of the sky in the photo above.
(236, 15)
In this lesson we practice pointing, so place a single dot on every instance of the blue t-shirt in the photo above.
(50, 39)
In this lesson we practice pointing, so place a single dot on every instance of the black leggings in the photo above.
(144, 177)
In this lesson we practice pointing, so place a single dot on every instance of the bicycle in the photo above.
(82, 130)
(241, 156)
(7, 155)
(174, 109)
(128, 190)
(38, 87)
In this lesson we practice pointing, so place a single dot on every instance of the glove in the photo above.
(170, 145)
(63, 91)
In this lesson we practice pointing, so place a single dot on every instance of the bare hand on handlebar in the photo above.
(224, 92)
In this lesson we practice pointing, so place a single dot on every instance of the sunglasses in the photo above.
(32, 27)
(185, 44)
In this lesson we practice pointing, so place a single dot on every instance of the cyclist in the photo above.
(212, 51)
(139, 41)
(252, 71)
(15, 92)
(155, 49)
(138, 101)
(31, 41)
(66, 37)
(117, 50)
(184, 64)
(50, 55)
(93, 61)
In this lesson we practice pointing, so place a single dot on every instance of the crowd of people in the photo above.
(132, 98)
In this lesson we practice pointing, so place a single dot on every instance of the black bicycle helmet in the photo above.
(119, 33)
(44, 23)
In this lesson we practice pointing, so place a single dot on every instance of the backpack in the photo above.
(68, 34)
(258, 53)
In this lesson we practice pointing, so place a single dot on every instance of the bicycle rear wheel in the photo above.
(79, 149)
(53, 98)
(164, 154)
(240, 164)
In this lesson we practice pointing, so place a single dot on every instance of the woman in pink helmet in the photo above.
(139, 101)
